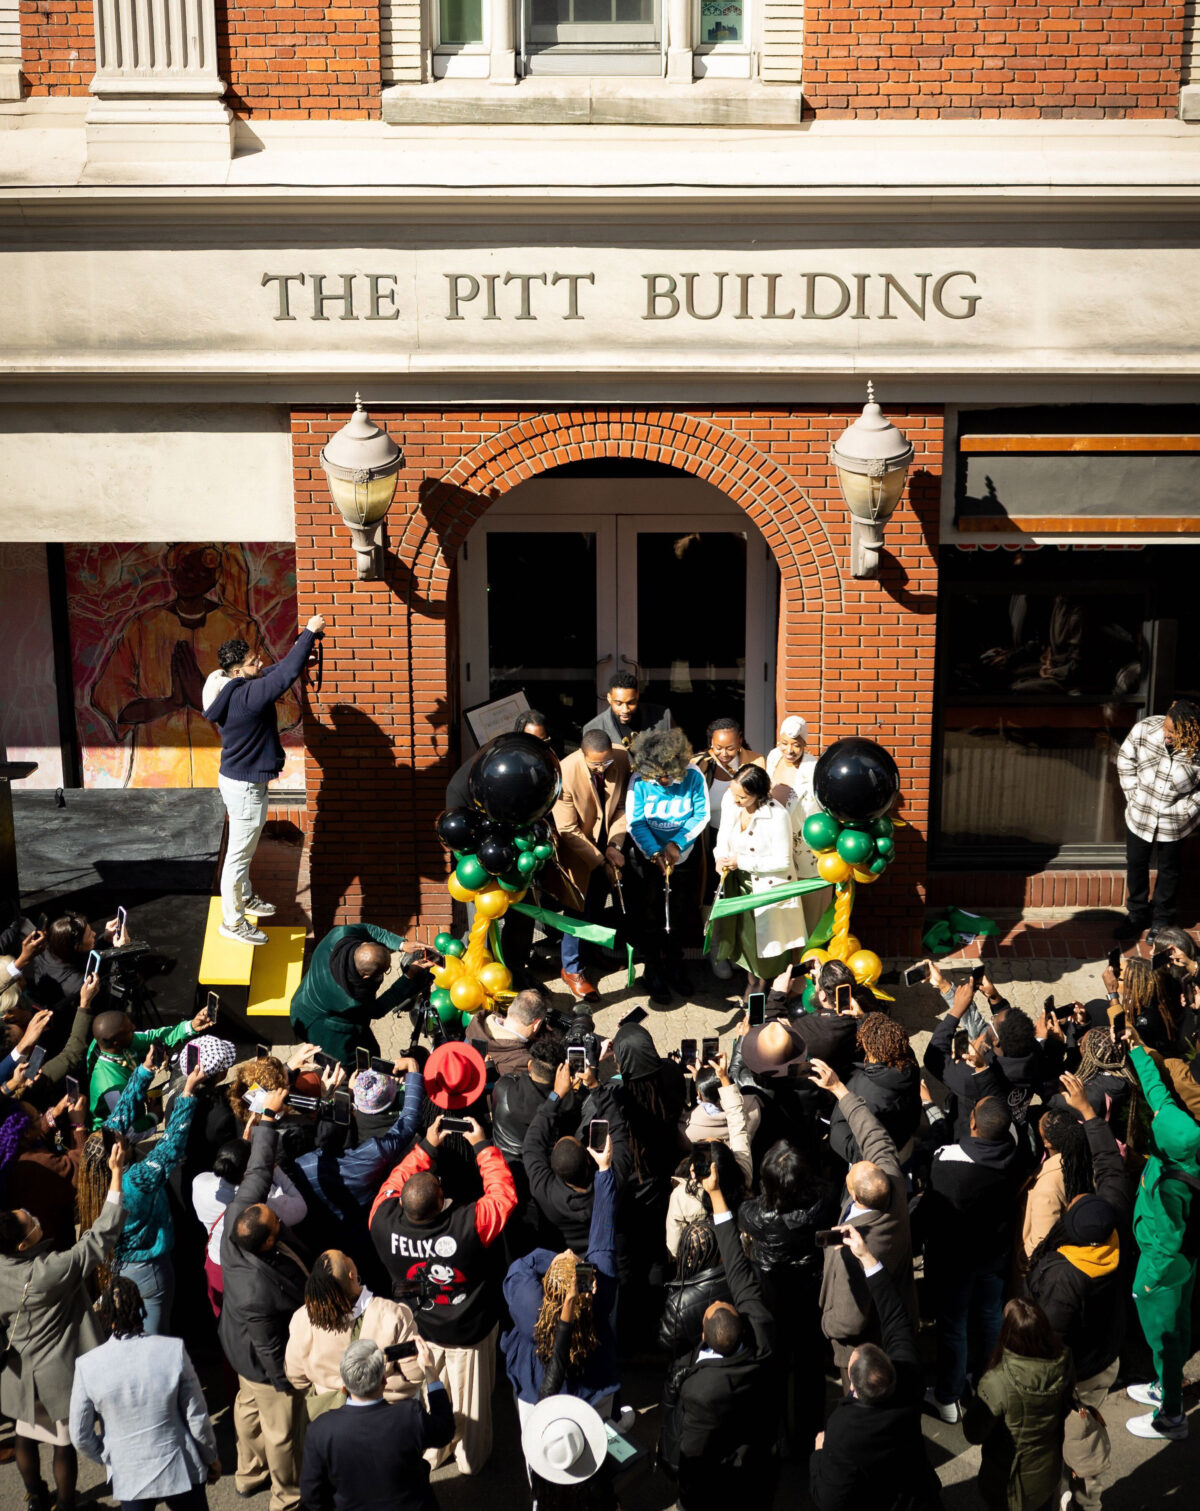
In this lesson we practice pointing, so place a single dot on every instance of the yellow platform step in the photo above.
(277, 968)
(224, 962)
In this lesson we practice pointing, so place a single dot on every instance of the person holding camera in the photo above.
(340, 995)
(546, 1292)
(239, 698)
(437, 1253)
(370, 1457)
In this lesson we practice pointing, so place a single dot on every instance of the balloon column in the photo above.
(499, 845)
(855, 782)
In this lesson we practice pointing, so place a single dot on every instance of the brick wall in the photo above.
(854, 657)
(1023, 59)
(300, 62)
(58, 46)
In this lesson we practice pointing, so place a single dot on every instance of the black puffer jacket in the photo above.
(780, 1244)
(687, 1301)
(894, 1096)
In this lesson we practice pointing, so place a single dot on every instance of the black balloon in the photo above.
(459, 829)
(498, 855)
(515, 779)
(856, 780)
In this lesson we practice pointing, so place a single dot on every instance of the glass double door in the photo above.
(553, 606)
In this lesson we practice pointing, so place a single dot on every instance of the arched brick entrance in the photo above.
(851, 656)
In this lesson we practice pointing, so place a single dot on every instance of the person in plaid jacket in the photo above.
(1159, 768)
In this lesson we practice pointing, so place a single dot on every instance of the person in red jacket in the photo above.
(437, 1255)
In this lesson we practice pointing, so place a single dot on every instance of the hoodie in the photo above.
(243, 709)
(1163, 1205)
(970, 1206)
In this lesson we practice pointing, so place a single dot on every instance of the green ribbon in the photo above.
(494, 944)
(752, 902)
(593, 933)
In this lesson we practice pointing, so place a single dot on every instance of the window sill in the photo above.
(593, 102)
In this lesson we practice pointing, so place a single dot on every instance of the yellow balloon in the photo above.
(831, 867)
(865, 966)
(450, 972)
(495, 977)
(842, 949)
(491, 904)
(820, 956)
(467, 994)
(457, 890)
(864, 878)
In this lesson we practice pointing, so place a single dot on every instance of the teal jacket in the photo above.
(1161, 1212)
(109, 1074)
(320, 1001)
(149, 1229)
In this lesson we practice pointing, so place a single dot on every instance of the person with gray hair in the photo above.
(370, 1452)
(505, 1041)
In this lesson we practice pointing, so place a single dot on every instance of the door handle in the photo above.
(602, 660)
(632, 661)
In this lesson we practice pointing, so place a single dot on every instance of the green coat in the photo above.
(1018, 1414)
(322, 1013)
(110, 1073)
(1161, 1212)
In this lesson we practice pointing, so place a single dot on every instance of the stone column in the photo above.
(679, 41)
(156, 91)
(503, 45)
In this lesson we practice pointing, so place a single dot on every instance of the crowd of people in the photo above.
(382, 1244)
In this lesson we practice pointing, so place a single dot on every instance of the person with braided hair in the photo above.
(138, 1409)
(1108, 1081)
(1146, 1003)
(542, 1296)
(1065, 1174)
(1159, 769)
(38, 1174)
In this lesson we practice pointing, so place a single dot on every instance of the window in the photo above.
(1047, 658)
(592, 36)
(460, 23)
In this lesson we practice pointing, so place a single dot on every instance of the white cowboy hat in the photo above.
(564, 1440)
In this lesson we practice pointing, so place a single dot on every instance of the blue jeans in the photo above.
(155, 1279)
(593, 907)
(970, 1308)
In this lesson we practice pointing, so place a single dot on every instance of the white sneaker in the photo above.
(947, 1414)
(721, 969)
(255, 904)
(1155, 1425)
(624, 1419)
(1148, 1394)
(243, 931)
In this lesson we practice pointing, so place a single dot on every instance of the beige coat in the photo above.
(314, 1356)
(577, 814)
(1045, 1204)
(732, 1129)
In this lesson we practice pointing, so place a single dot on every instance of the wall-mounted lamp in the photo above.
(872, 459)
(361, 465)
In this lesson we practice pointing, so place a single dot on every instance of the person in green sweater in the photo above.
(114, 1056)
(143, 1251)
(339, 997)
(1165, 1277)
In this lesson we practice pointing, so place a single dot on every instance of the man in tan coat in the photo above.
(590, 819)
(876, 1202)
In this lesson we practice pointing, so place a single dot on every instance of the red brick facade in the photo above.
(1028, 58)
(380, 738)
(58, 46)
(300, 62)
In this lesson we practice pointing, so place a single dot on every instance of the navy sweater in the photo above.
(243, 709)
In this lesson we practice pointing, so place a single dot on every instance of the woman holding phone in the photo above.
(754, 853)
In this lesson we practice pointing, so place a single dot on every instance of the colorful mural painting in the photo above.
(146, 622)
(28, 709)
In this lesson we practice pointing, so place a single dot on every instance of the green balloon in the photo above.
(543, 852)
(524, 840)
(821, 831)
(449, 1013)
(882, 828)
(439, 1000)
(808, 998)
(854, 846)
(879, 866)
(527, 863)
(885, 845)
(454, 947)
(466, 1018)
(472, 872)
(512, 881)
(443, 942)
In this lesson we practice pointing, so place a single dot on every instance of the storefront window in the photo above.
(460, 23)
(1047, 658)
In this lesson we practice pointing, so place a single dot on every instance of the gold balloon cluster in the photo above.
(864, 965)
(472, 978)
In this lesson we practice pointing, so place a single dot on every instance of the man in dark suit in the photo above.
(727, 1417)
(264, 1271)
(872, 1451)
(370, 1452)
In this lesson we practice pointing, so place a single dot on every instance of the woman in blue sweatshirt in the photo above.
(667, 809)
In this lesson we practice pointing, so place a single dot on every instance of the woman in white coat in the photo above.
(790, 768)
(754, 853)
